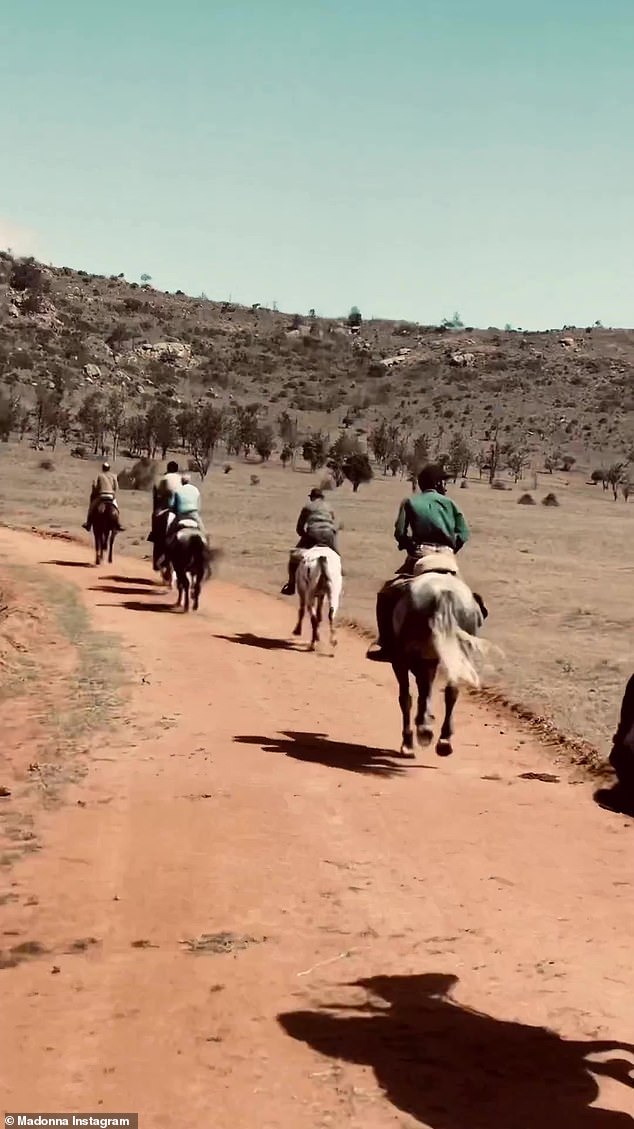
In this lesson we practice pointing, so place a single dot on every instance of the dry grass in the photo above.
(556, 581)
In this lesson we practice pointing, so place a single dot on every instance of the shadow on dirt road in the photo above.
(450, 1066)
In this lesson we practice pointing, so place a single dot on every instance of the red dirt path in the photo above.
(250, 793)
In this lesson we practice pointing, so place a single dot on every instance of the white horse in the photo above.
(435, 622)
(318, 578)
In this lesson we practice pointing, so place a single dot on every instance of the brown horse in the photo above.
(105, 526)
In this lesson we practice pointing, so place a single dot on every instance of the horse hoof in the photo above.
(424, 735)
(407, 753)
(297, 632)
(444, 748)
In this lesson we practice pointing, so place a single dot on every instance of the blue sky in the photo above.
(412, 157)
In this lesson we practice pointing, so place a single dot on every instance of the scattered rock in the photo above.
(545, 777)
(219, 942)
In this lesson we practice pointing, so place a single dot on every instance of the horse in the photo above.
(191, 559)
(435, 623)
(318, 578)
(105, 526)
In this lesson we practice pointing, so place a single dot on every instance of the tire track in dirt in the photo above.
(250, 793)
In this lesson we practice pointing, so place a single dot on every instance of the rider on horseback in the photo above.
(162, 514)
(428, 522)
(316, 525)
(185, 505)
(104, 489)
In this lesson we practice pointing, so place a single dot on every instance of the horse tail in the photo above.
(458, 652)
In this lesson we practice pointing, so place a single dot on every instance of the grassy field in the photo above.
(558, 582)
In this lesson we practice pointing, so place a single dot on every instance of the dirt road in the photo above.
(437, 944)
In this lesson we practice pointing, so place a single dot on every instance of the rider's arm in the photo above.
(301, 521)
(462, 529)
(115, 484)
(402, 523)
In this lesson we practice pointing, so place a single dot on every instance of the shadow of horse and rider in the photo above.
(450, 1066)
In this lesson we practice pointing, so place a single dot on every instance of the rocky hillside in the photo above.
(80, 337)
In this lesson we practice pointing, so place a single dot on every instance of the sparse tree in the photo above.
(517, 461)
(146, 278)
(9, 415)
(315, 450)
(26, 275)
(459, 457)
(384, 442)
(354, 319)
(206, 431)
(264, 442)
(418, 455)
(357, 469)
(455, 322)
(615, 477)
(115, 419)
(116, 340)
(91, 416)
(287, 428)
(286, 455)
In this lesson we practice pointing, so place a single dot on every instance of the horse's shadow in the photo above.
(315, 748)
(247, 639)
(139, 606)
(70, 564)
(449, 1066)
(120, 590)
(147, 581)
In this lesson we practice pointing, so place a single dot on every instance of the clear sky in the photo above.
(411, 157)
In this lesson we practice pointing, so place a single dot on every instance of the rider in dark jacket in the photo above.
(316, 525)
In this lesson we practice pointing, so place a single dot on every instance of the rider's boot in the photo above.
(379, 651)
(289, 587)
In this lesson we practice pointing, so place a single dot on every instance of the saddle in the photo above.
(437, 562)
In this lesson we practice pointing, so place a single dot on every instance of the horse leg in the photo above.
(401, 670)
(186, 591)
(196, 591)
(180, 586)
(111, 546)
(297, 630)
(316, 612)
(331, 622)
(425, 674)
(444, 748)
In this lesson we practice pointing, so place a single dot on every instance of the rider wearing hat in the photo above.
(316, 525)
(427, 522)
(104, 489)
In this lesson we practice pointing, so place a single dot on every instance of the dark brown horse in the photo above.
(105, 526)
(189, 555)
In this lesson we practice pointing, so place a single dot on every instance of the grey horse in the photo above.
(435, 624)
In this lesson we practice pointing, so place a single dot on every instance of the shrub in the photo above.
(46, 464)
(550, 500)
(498, 485)
(139, 477)
(526, 500)
(255, 480)
(78, 452)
